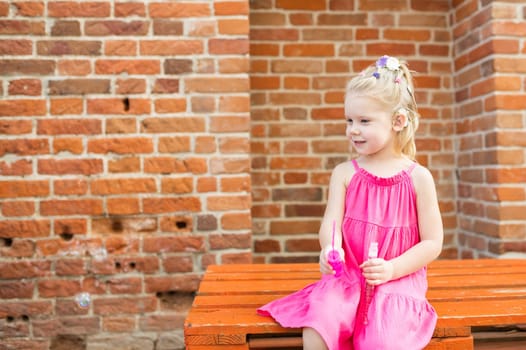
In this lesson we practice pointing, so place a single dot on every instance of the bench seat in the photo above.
(465, 294)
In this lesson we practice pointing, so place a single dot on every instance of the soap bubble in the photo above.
(83, 299)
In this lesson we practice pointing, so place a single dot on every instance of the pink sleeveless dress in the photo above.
(398, 317)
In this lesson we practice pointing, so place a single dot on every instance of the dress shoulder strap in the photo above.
(412, 167)
(355, 164)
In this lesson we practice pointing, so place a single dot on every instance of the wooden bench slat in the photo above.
(256, 300)
(268, 285)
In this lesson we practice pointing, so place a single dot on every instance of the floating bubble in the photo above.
(83, 299)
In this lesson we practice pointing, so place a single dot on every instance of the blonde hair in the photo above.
(393, 88)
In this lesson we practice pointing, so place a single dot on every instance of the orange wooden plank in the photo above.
(459, 343)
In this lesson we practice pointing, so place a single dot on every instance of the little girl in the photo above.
(381, 196)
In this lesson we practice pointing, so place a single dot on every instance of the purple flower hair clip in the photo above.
(386, 62)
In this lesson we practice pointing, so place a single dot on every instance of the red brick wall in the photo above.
(125, 166)
(490, 100)
(302, 55)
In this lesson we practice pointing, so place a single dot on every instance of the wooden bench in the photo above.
(465, 293)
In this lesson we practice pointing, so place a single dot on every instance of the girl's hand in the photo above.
(325, 267)
(377, 271)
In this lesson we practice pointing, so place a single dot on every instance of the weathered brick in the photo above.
(69, 166)
(22, 107)
(121, 145)
(73, 145)
(115, 27)
(54, 207)
(15, 47)
(68, 47)
(174, 10)
(66, 28)
(68, 9)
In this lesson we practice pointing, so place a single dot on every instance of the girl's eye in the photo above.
(349, 121)
(365, 121)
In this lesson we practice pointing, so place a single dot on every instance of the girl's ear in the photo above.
(400, 119)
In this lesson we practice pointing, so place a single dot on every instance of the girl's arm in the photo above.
(334, 213)
(431, 235)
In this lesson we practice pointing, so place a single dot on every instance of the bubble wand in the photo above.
(369, 289)
(334, 258)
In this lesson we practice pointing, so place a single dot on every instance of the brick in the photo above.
(24, 188)
(66, 28)
(121, 126)
(74, 67)
(167, 27)
(18, 208)
(177, 185)
(22, 107)
(205, 144)
(70, 9)
(178, 66)
(176, 223)
(70, 267)
(19, 248)
(227, 203)
(291, 227)
(227, 241)
(116, 27)
(308, 50)
(176, 144)
(70, 226)
(129, 9)
(24, 147)
(172, 244)
(79, 86)
(229, 165)
(30, 8)
(25, 269)
(121, 145)
(122, 186)
(124, 165)
(129, 285)
(170, 47)
(14, 290)
(174, 264)
(120, 48)
(206, 184)
(236, 221)
(139, 66)
(313, 5)
(16, 168)
(72, 145)
(231, 8)
(14, 27)
(236, 258)
(118, 324)
(70, 166)
(71, 207)
(15, 47)
(234, 65)
(215, 85)
(124, 225)
(171, 205)
(226, 124)
(123, 206)
(161, 322)
(118, 106)
(181, 283)
(302, 245)
(130, 86)
(66, 106)
(68, 47)
(69, 126)
(234, 145)
(15, 127)
(174, 125)
(170, 105)
(66, 325)
(168, 86)
(177, 10)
